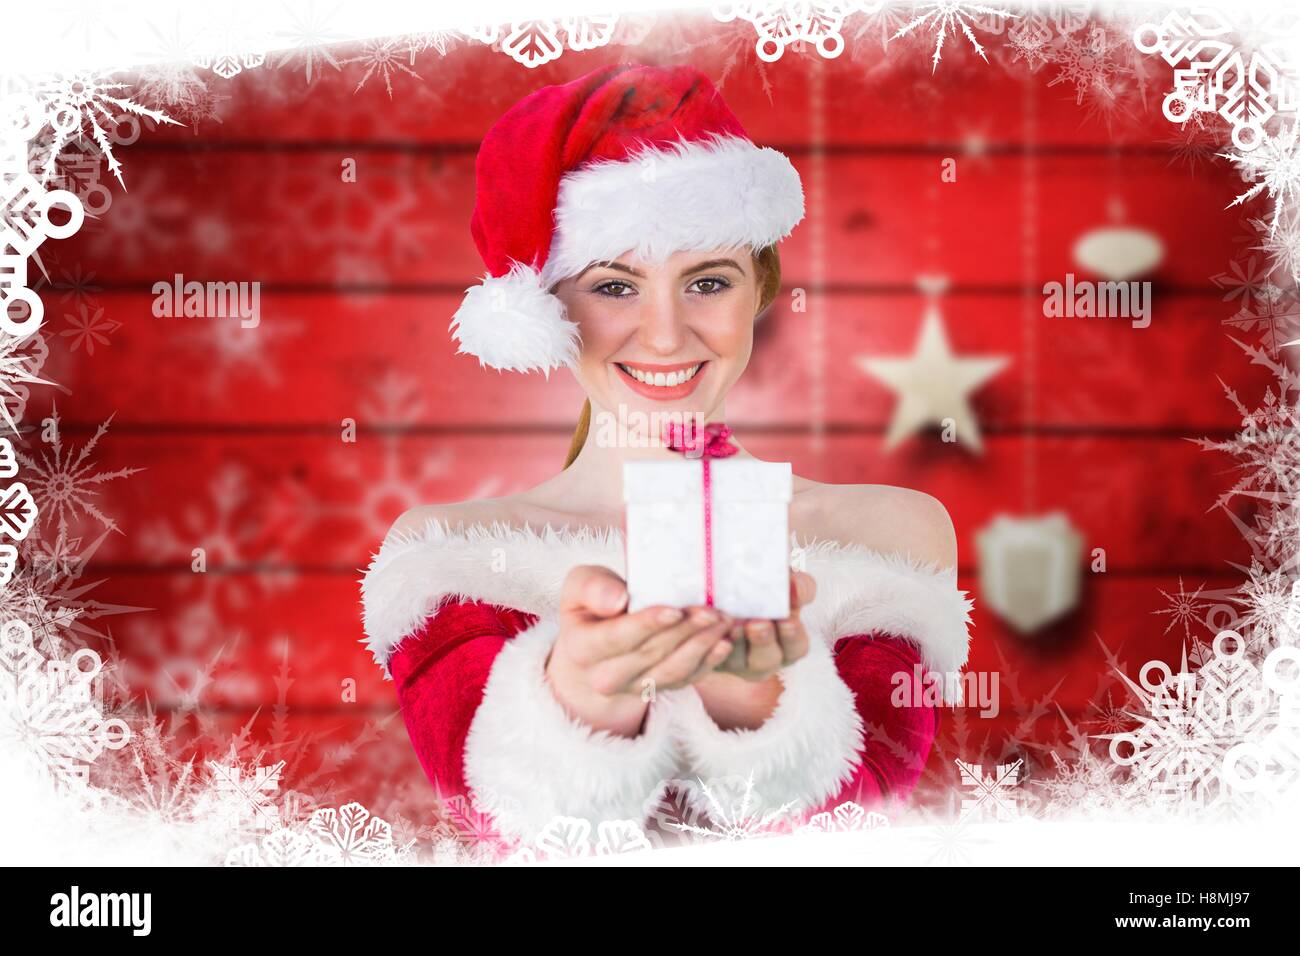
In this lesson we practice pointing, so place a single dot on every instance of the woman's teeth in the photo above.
(664, 379)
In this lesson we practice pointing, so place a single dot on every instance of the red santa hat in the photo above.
(627, 158)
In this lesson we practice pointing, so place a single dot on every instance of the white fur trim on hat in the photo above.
(513, 323)
(713, 193)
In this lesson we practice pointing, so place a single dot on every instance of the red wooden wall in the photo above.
(237, 432)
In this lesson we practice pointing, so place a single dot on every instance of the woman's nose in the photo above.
(663, 327)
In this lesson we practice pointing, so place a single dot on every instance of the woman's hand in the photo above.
(772, 645)
(606, 665)
(744, 691)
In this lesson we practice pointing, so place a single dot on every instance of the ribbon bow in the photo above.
(708, 442)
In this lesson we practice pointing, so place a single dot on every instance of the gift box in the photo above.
(709, 531)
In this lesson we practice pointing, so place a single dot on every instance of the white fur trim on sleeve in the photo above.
(513, 323)
(803, 754)
(527, 761)
(865, 592)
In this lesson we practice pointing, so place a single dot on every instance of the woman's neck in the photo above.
(592, 486)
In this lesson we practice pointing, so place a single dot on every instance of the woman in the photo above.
(629, 227)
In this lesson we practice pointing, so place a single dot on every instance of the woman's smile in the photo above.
(661, 382)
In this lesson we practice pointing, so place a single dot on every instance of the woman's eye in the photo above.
(711, 285)
(614, 288)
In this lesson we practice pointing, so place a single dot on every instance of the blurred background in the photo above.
(176, 434)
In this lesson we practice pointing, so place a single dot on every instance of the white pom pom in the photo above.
(512, 323)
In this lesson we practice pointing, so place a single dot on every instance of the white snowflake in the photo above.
(309, 40)
(285, 846)
(20, 361)
(88, 327)
(566, 838)
(228, 44)
(354, 836)
(439, 40)
(1268, 764)
(733, 811)
(383, 57)
(85, 104)
(990, 797)
(847, 817)
(1087, 64)
(1030, 40)
(65, 485)
(234, 356)
(1088, 785)
(1245, 75)
(48, 594)
(779, 25)
(52, 711)
(235, 528)
(1282, 246)
(1186, 724)
(347, 836)
(169, 79)
(1183, 608)
(241, 797)
(944, 18)
(533, 43)
(1274, 166)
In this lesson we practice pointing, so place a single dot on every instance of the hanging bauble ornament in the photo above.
(1030, 569)
(1118, 252)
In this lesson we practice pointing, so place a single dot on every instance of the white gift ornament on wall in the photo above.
(747, 530)
(1030, 569)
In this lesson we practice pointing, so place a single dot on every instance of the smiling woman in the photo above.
(638, 258)
(644, 377)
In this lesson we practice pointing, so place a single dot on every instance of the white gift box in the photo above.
(749, 517)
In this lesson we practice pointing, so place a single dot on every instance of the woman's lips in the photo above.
(663, 393)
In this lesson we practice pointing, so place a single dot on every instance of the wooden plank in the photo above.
(311, 500)
(307, 630)
(387, 359)
(286, 217)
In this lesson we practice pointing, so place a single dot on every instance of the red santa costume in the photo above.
(462, 618)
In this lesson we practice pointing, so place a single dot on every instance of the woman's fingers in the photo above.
(793, 638)
(625, 664)
(765, 652)
(592, 592)
(699, 653)
(803, 588)
(656, 647)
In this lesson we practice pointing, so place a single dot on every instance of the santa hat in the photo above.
(627, 158)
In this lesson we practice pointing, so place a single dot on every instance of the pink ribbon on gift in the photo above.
(706, 443)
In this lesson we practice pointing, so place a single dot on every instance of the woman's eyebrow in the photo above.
(617, 266)
(712, 264)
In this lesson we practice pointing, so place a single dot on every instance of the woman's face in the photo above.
(668, 337)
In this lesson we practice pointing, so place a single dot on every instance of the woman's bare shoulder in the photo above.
(456, 513)
(884, 518)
